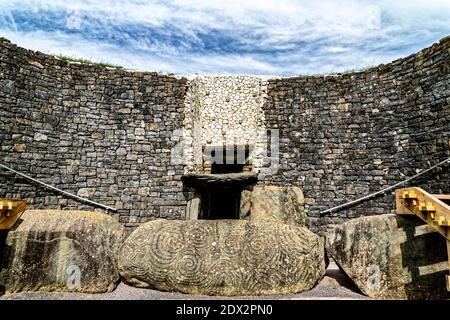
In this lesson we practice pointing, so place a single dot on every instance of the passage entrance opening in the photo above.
(220, 203)
(219, 194)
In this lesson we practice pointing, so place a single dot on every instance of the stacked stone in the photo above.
(227, 110)
(345, 136)
(100, 133)
(108, 134)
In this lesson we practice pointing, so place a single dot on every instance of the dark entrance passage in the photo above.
(220, 203)
(226, 168)
(219, 195)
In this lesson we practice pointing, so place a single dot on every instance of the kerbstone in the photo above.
(222, 257)
(391, 257)
(55, 250)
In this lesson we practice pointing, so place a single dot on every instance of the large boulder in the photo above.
(54, 250)
(222, 257)
(283, 204)
(391, 257)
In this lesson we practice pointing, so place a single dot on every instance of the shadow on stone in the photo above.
(335, 272)
(391, 257)
(58, 250)
(3, 234)
(422, 256)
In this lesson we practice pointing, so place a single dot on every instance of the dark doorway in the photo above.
(220, 203)
(226, 168)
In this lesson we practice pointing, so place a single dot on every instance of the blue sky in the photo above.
(260, 37)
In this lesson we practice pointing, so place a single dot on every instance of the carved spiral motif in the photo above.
(292, 238)
(223, 257)
(128, 251)
(232, 245)
(264, 279)
(165, 244)
(187, 270)
(200, 235)
(213, 277)
(233, 276)
(259, 248)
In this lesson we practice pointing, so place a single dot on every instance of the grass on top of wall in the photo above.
(86, 61)
(332, 73)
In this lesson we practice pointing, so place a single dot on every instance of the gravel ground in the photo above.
(335, 285)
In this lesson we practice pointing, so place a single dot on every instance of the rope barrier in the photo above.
(59, 190)
(383, 190)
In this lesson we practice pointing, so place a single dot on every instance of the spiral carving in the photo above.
(260, 249)
(200, 234)
(187, 270)
(165, 242)
(223, 257)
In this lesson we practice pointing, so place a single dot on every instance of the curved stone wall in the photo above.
(107, 134)
(102, 134)
(345, 136)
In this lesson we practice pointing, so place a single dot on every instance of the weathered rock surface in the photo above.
(237, 179)
(222, 257)
(246, 204)
(391, 257)
(283, 204)
(54, 250)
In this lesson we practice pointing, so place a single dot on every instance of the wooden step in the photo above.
(427, 206)
(431, 208)
(408, 195)
(10, 212)
(442, 221)
(416, 201)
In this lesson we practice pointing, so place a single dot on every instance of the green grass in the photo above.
(86, 61)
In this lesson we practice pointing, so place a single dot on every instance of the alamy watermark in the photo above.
(73, 280)
(373, 277)
(228, 148)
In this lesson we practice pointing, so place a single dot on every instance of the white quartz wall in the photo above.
(224, 110)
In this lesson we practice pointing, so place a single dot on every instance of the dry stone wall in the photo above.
(345, 136)
(102, 134)
(108, 134)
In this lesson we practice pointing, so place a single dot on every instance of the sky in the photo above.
(257, 37)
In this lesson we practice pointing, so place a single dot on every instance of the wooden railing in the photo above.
(431, 208)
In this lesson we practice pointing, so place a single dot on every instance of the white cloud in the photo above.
(278, 36)
(277, 17)
(62, 44)
(336, 49)
(73, 21)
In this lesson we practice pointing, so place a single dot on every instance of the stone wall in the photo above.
(108, 134)
(345, 136)
(99, 133)
(224, 111)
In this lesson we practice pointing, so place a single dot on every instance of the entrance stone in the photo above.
(222, 257)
